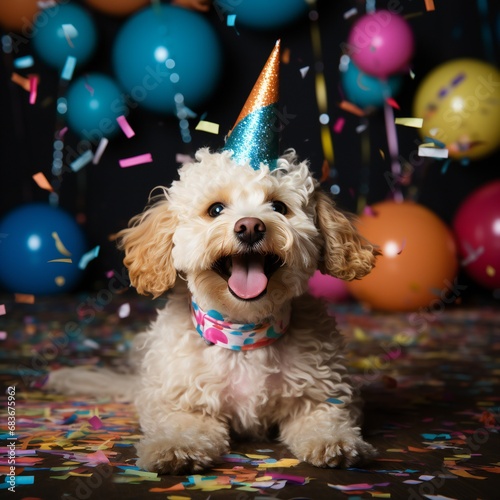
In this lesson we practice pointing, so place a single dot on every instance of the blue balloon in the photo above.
(94, 102)
(167, 58)
(366, 90)
(264, 14)
(28, 244)
(62, 31)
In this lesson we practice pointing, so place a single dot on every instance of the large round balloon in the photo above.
(66, 30)
(94, 103)
(477, 228)
(265, 14)
(166, 58)
(418, 262)
(368, 91)
(381, 43)
(33, 235)
(18, 15)
(459, 102)
(117, 7)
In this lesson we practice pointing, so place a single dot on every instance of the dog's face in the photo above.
(246, 241)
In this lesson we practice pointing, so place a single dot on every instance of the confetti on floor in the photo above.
(432, 405)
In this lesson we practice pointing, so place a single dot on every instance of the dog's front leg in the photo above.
(326, 436)
(180, 443)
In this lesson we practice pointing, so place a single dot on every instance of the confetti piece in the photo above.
(24, 298)
(2, 309)
(392, 103)
(361, 128)
(285, 56)
(136, 160)
(59, 245)
(24, 62)
(124, 310)
(409, 122)
(210, 127)
(339, 125)
(350, 13)
(103, 143)
(81, 161)
(3, 335)
(124, 125)
(66, 261)
(351, 108)
(95, 422)
(490, 271)
(304, 71)
(42, 181)
(60, 280)
(231, 19)
(335, 401)
(69, 32)
(87, 257)
(21, 81)
(69, 68)
(181, 158)
(432, 152)
(429, 5)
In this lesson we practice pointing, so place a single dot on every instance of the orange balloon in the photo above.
(18, 15)
(118, 7)
(419, 260)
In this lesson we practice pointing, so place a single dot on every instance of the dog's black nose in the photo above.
(250, 230)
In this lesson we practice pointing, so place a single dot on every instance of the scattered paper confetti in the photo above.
(101, 147)
(339, 125)
(125, 126)
(351, 12)
(231, 20)
(87, 257)
(136, 160)
(82, 161)
(351, 108)
(21, 81)
(2, 309)
(409, 122)
(429, 5)
(24, 62)
(210, 127)
(66, 261)
(69, 68)
(430, 151)
(304, 71)
(60, 245)
(42, 181)
(392, 102)
(70, 32)
(124, 310)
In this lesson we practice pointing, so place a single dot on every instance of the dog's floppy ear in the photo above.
(148, 243)
(346, 255)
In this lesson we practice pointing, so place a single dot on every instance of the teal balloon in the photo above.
(167, 58)
(64, 30)
(27, 245)
(366, 90)
(94, 102)
(264, 14)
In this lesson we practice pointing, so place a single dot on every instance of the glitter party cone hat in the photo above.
(254, 137)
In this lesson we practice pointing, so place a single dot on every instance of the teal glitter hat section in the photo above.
(256, 139)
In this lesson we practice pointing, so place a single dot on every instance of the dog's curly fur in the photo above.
(191, 397)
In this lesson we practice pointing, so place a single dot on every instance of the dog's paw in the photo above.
(343, 450)
(165, 457)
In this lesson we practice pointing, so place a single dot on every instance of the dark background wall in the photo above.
(106, 196)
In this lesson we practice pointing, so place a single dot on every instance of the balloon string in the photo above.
(320, 86)
(365, 168)
(392, 142)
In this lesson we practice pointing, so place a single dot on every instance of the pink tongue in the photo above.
(247, 279)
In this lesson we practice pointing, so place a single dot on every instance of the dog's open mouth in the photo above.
(247, 274)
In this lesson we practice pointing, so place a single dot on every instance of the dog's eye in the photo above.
(216, 209)
(280, 207)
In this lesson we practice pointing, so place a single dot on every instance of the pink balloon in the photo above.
(477, 229)
(326, 287)
(381, 43)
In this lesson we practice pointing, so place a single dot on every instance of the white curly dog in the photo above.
(240, 347)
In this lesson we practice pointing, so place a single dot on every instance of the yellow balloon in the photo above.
(459, 102)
